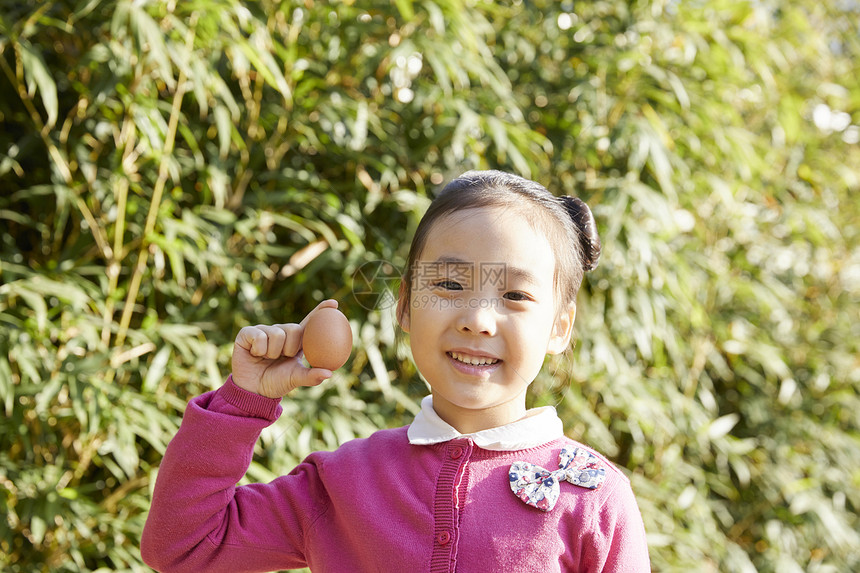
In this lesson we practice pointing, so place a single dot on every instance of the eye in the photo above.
(448, 285)
(517, 296)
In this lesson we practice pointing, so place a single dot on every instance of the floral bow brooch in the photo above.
(539, 487)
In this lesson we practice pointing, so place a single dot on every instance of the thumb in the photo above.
(282, 379)
(302, 376)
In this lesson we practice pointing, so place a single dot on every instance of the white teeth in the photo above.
(473, 360)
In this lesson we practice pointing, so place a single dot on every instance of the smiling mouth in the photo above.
(472, 360)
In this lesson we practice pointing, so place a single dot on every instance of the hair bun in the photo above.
(587, 226)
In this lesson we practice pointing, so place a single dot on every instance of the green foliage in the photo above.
(170, 172)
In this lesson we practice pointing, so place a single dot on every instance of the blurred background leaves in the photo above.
(173, 171)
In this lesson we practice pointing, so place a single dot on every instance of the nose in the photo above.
(477, 318)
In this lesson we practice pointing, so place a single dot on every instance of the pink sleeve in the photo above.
(620, 544)
(200, 520)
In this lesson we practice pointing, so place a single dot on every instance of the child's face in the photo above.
(483, 315)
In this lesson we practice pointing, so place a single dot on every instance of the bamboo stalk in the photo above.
(152, 215)
(126, 136)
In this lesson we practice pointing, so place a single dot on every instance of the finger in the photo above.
(289, 375)
(253, 340)
(292, 344)
(275, 338)
(327, 303)
(309, 376)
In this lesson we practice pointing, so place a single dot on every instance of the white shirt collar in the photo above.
(539, 426)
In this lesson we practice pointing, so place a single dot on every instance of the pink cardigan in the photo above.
(375, 504)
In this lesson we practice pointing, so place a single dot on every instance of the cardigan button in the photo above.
(456, 453)
(443, 538)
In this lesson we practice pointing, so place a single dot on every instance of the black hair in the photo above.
(567, 222)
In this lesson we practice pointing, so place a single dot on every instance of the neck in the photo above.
(470, 421)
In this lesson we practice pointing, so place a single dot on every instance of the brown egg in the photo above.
(327, 339)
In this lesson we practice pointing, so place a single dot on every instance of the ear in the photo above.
(403, 307)
(562, 330)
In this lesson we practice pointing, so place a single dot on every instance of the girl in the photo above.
(477, 482)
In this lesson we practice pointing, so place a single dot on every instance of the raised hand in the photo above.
(267, 358)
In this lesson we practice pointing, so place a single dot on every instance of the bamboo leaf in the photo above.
(406, 9)
(39, 79)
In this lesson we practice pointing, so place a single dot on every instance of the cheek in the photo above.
(531, 341)
(543, 336)
(526, 364)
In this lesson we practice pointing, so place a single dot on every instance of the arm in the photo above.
(199, 519)
(622, 544)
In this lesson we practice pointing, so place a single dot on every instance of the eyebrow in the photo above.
(521, 274)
